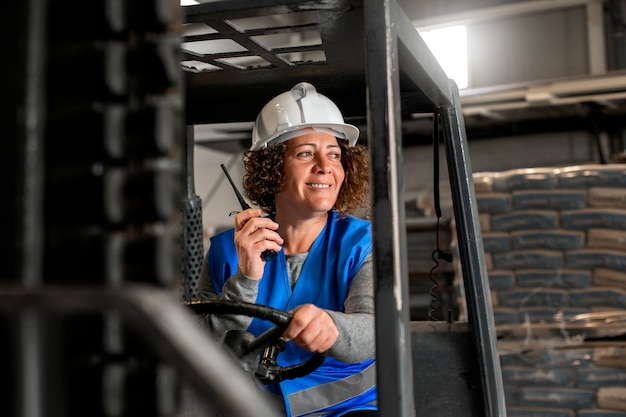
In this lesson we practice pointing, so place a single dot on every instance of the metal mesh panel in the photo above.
(193, 248)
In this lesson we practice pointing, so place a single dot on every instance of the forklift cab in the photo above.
(369, 58)
(90, 304)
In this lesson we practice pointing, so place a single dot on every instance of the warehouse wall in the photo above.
(218, 198)
(514, 49)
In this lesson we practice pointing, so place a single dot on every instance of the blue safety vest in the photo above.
(333, 261)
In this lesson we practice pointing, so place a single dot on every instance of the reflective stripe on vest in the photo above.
(321, 397)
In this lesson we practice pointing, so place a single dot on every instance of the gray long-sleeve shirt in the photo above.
(356, 341)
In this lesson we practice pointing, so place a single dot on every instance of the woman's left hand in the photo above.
(312, 329)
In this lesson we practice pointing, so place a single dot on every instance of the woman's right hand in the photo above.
(254, 235)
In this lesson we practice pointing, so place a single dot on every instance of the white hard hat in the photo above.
(300, 108)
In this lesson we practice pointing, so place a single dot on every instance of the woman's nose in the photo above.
(322, 164)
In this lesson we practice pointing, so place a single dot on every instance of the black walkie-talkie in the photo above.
(267, 254)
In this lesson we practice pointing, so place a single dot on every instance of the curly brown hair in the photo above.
(264, 176)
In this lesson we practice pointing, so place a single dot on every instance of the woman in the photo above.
(305, 170)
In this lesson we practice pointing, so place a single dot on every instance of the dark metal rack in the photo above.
(91, 320)
(375, 66)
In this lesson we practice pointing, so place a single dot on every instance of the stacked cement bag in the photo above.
(555, 241)
(555, 250)
(564, 380)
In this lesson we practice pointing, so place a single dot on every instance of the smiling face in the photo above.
(313, 175)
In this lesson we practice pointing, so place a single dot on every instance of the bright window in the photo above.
(449, 46)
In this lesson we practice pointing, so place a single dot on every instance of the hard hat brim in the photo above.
(341, 131)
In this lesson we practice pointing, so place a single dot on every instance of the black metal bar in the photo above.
(419, 64)
(32, 193)
(30, 347)
(169, 328)
(393, 342)
(471, 252)
(246, 8)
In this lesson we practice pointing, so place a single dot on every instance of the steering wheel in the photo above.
(242, 342)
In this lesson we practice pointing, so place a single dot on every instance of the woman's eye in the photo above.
(304, 154)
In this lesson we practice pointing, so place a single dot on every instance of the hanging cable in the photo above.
(437, 254)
